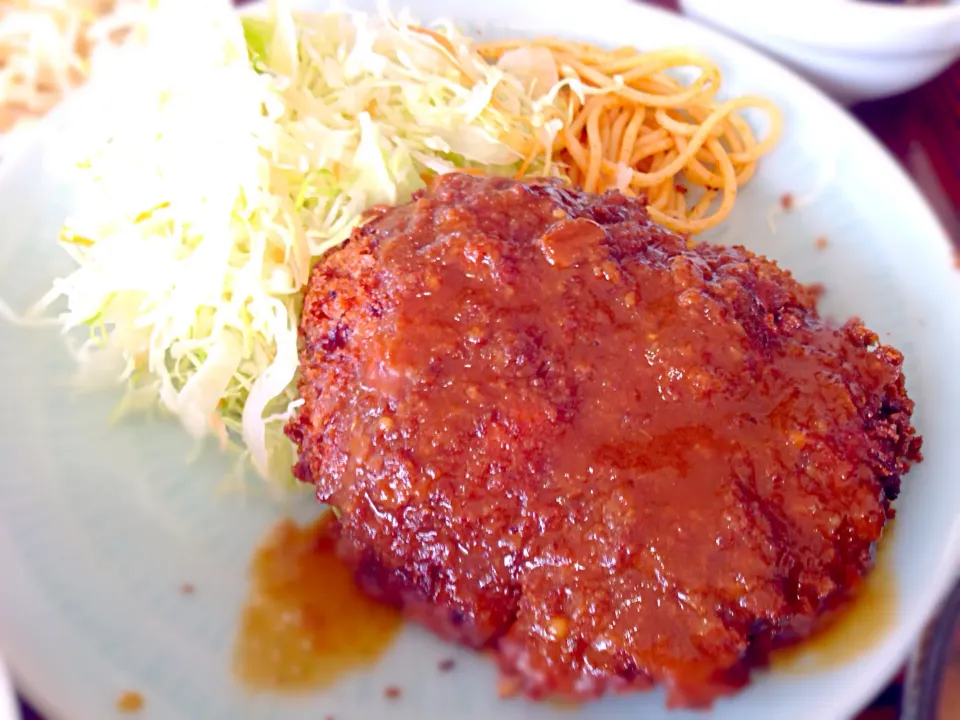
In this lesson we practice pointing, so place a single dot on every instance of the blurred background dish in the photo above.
(48, 49)
(932, 689)
(854, 50)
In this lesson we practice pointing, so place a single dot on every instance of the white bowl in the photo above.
(854, 50)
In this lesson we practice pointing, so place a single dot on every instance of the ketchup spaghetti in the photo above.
(628, 125)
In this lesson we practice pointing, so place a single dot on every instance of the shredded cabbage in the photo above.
(262, 143)
(50, 47)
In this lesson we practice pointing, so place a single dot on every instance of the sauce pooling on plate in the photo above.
(305, 622)
(855, 629)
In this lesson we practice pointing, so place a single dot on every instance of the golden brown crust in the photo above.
(556, 430)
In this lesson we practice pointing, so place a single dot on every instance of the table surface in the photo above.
(922, 130)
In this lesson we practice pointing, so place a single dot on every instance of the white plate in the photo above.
(8, 703)
(100, 525)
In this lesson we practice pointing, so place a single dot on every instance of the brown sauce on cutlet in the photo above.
(853, 630)
(560, 432)
(305, 623)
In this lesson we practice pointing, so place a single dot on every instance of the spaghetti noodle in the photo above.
(629, 125)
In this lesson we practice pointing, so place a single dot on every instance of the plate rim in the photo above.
(8, 698)
(39, 134)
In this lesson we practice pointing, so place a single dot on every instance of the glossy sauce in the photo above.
(856, 628)
(305, 623)
(564, 434)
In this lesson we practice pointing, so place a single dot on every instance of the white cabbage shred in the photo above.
(261, 144)
(50, 47)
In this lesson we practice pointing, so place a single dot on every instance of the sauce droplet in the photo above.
(130, 702)
(856, 628)
(305, 622)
